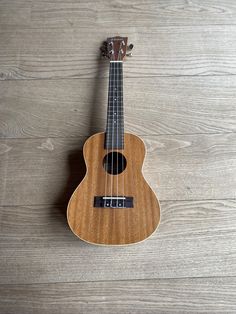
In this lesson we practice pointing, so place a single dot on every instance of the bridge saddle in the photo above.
(113, 201)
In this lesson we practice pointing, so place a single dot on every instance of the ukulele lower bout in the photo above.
(113, 205)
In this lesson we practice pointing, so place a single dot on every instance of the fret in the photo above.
(113, 141)
(115, 113)
(115, 105)
(111, 138)
(113, 95)
(112, 125)
(115, 109)
(113, 102)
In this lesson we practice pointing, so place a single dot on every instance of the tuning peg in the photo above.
(103, 46)
(104, 56)
(129, 54)
(130, 47)
(103, 50)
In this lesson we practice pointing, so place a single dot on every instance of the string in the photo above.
(119, 77)
(122, 135)
(107, 134)
(112, 144)
(117, 126)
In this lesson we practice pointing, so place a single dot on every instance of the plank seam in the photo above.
(86, 136)
(126, 77)
(115, 280)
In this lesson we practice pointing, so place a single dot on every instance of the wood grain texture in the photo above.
(178, 167)
(109, 226)
(194, 239)
(191, 295)
(72, 53)
(73, 108)
(62, 14)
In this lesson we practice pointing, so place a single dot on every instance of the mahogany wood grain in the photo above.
(115, 226)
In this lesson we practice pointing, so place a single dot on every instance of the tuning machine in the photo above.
(129, 48)
(104, 50)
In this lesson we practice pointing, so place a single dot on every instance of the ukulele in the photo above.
(114, 205)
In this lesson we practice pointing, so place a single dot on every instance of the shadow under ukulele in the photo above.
(75, 159)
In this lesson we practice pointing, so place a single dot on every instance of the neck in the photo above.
(114, 138)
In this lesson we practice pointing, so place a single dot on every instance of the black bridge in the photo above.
(113, 201)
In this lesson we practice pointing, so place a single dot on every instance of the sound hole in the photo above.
(114, 163)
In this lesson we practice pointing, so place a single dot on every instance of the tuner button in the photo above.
(130, 47)
(129, 54)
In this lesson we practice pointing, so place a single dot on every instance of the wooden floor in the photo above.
(180, 97)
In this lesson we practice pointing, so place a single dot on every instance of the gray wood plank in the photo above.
(164, 105)
(208, 295)
(133, 13)
(165, 51)
(194, 239)
(178, 167)
(15, 14)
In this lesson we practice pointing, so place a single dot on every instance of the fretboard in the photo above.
(114, 138)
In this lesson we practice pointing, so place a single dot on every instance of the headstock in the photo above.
(115, 48)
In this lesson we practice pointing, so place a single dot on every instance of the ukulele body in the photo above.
(113, 225)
